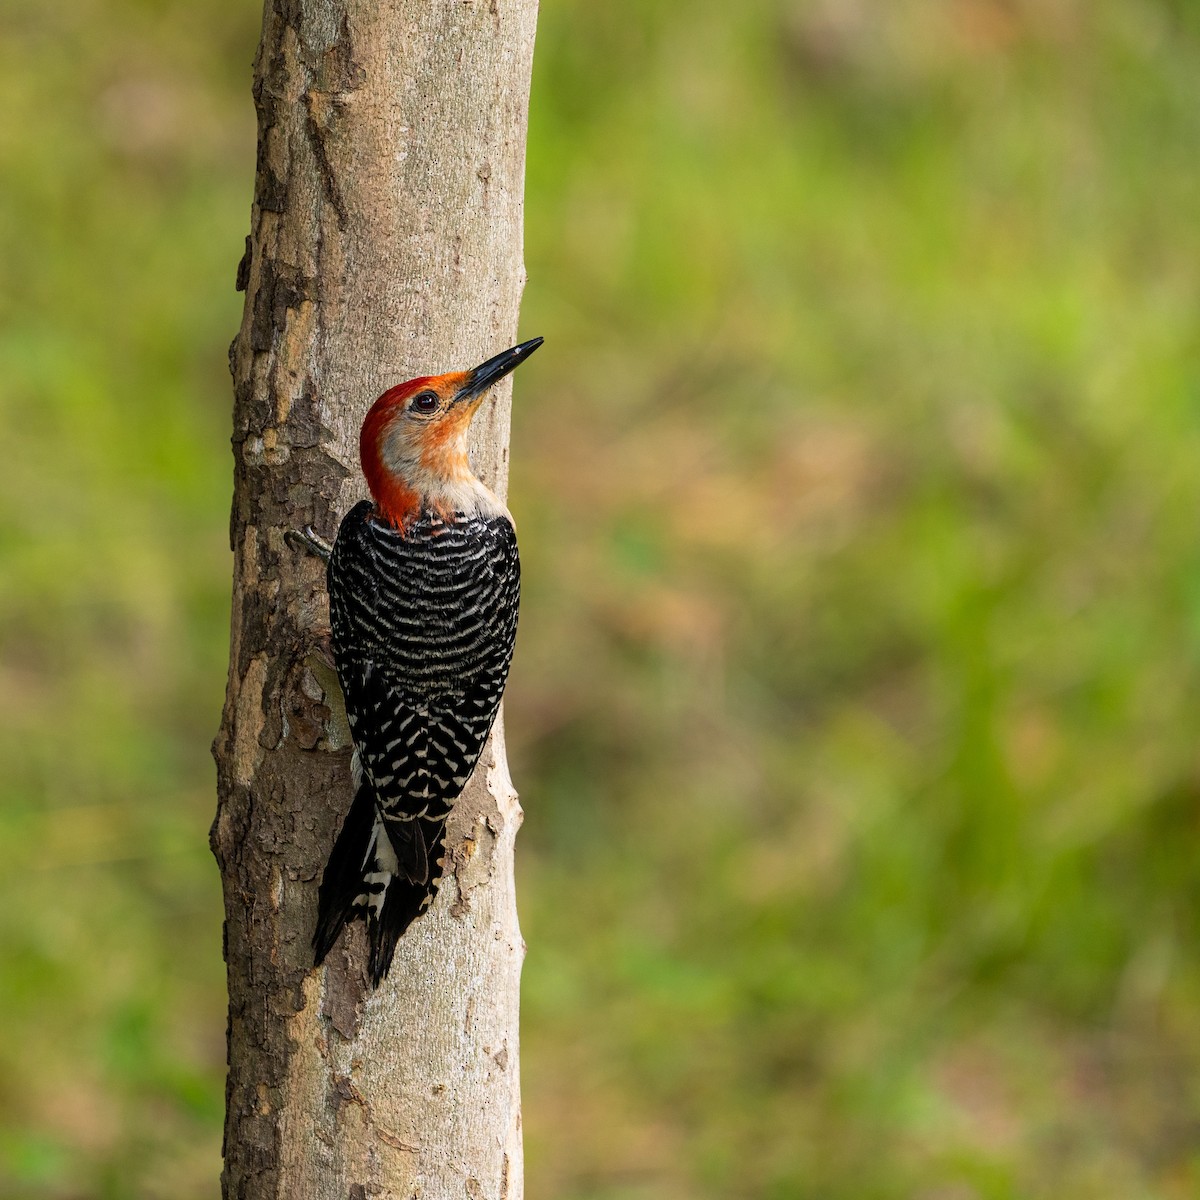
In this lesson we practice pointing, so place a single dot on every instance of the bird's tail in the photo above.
(388, 881)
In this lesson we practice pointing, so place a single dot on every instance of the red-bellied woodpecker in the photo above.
(424, 583)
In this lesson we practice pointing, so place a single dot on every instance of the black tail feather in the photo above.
(346, 893)
(405, 899)
(412, 854)
(342, 883)
(403, 904)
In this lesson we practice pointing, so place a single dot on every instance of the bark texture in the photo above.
(385, 243)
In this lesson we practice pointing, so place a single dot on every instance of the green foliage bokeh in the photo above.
(854, 710)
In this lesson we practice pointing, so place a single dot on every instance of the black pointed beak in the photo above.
(488, 373)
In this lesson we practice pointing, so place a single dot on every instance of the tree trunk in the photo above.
(386, 243)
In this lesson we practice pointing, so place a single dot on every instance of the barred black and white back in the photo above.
(424, 623)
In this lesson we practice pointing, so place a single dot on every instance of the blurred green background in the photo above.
(855, 708)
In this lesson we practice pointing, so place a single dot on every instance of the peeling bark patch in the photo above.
(243, 267)
(274, 725)
(342, 1005)
(304, 421)
(307, 714)
(281, 287)
(339, 72)
(357, 1192)
(250, 721)
(329, 182)
(336, 730)
(473, 865)
(261, 328)
(271, 191)
(346, 1092)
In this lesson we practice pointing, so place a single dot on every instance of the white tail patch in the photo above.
(380, 866)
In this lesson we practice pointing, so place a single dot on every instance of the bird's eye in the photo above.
(425, 402)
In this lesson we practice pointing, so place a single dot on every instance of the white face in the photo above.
(426, 440)
(428, 450)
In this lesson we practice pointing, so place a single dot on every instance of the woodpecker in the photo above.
(424, 581)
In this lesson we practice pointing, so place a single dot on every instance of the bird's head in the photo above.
(413, 445)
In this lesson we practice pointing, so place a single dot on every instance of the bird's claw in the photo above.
(309, 541)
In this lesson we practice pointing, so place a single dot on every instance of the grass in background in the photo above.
(854, 708)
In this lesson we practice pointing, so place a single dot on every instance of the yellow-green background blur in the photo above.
(855, 710)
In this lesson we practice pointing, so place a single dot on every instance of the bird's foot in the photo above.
(309, 541)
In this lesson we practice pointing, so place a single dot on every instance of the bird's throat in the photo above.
(437, 479)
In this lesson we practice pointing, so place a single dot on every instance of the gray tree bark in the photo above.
(386, 242)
